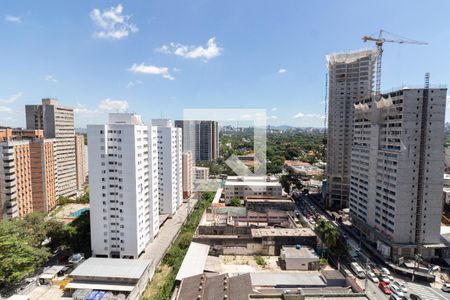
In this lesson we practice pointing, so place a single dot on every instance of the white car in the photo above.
(446, 287)
(400, 285)
(385, 279)
(396, 290)
(372, 277)
(385, 271)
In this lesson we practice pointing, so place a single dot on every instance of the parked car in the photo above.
(396, 297)
(446, 287)
(372, 277)
(414, 297)
(385, 288)
(396, 290)
(400, 285)
(385, 271)
(385, 279)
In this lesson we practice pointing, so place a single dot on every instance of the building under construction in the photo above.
(351, 77)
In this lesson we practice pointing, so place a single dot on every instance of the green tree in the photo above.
(33, 225)
(79, 234)
(18, 255)
(235, 202)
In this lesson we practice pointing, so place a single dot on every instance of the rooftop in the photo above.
(215, 287)
(285, 279)
(112, 268)
(302, 252)
(194, 261)
(274, 232)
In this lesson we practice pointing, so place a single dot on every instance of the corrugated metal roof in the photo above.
(194, 261)
(112, 267)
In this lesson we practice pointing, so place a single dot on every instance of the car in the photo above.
(400, 285)
(446, 287)
(385, 271)
(385, 288)
(372, 277)
(414, 297)
(344, 235)
(396, 290)
(396, 297)
(385, 279)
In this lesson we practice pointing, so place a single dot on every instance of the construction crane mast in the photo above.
(379, 41)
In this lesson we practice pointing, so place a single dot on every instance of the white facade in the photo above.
(350, 79)
(397, 170)
(201, 173)
(123, 184)
(241, 187)
(170, 166)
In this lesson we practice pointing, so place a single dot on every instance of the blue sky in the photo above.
(156, 58)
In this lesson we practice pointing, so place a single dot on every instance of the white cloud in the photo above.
(274, 109)
(5, 109)
(13, 19)
(106, 105)
(50, 78)
(11, 99)
(150, 69)
(301, 115)
(132, 83)
(113, 105)
(281, 71)
(272, 117)
(112, 23)
(210, 51)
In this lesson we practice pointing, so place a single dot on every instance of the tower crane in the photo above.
(379, 41)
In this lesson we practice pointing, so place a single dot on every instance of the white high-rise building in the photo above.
(397, 170)
(123, 184)
(170, 166)
(350, 79)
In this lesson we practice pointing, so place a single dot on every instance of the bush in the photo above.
(260, 260)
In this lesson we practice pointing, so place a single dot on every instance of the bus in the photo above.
(358, 270)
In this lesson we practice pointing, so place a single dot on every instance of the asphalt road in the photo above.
(373, 291)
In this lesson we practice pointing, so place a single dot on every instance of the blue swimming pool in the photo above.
(77, 213)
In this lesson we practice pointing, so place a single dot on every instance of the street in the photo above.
(308, 208)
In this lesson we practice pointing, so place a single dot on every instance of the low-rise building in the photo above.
(119, 276)
(242, 187)
(299, 258)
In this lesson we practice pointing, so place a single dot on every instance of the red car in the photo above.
(385, 288)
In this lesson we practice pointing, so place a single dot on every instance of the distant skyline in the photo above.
(156, 58)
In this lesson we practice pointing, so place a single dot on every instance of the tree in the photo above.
(57, 234)
(18, 255)
(33, 225)
(285, 183)
(79, 234)
(235, 202)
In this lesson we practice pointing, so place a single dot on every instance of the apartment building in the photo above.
(26, 172)
(187, 174)
(123, 181)
(397, 171)
(201, 138)
(15, 176)
(43, 174)
(80, 157)
(350, 77)
(201, 173)
(57, 122)
(170, 166)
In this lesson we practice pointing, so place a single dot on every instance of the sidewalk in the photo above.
(167, 233)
